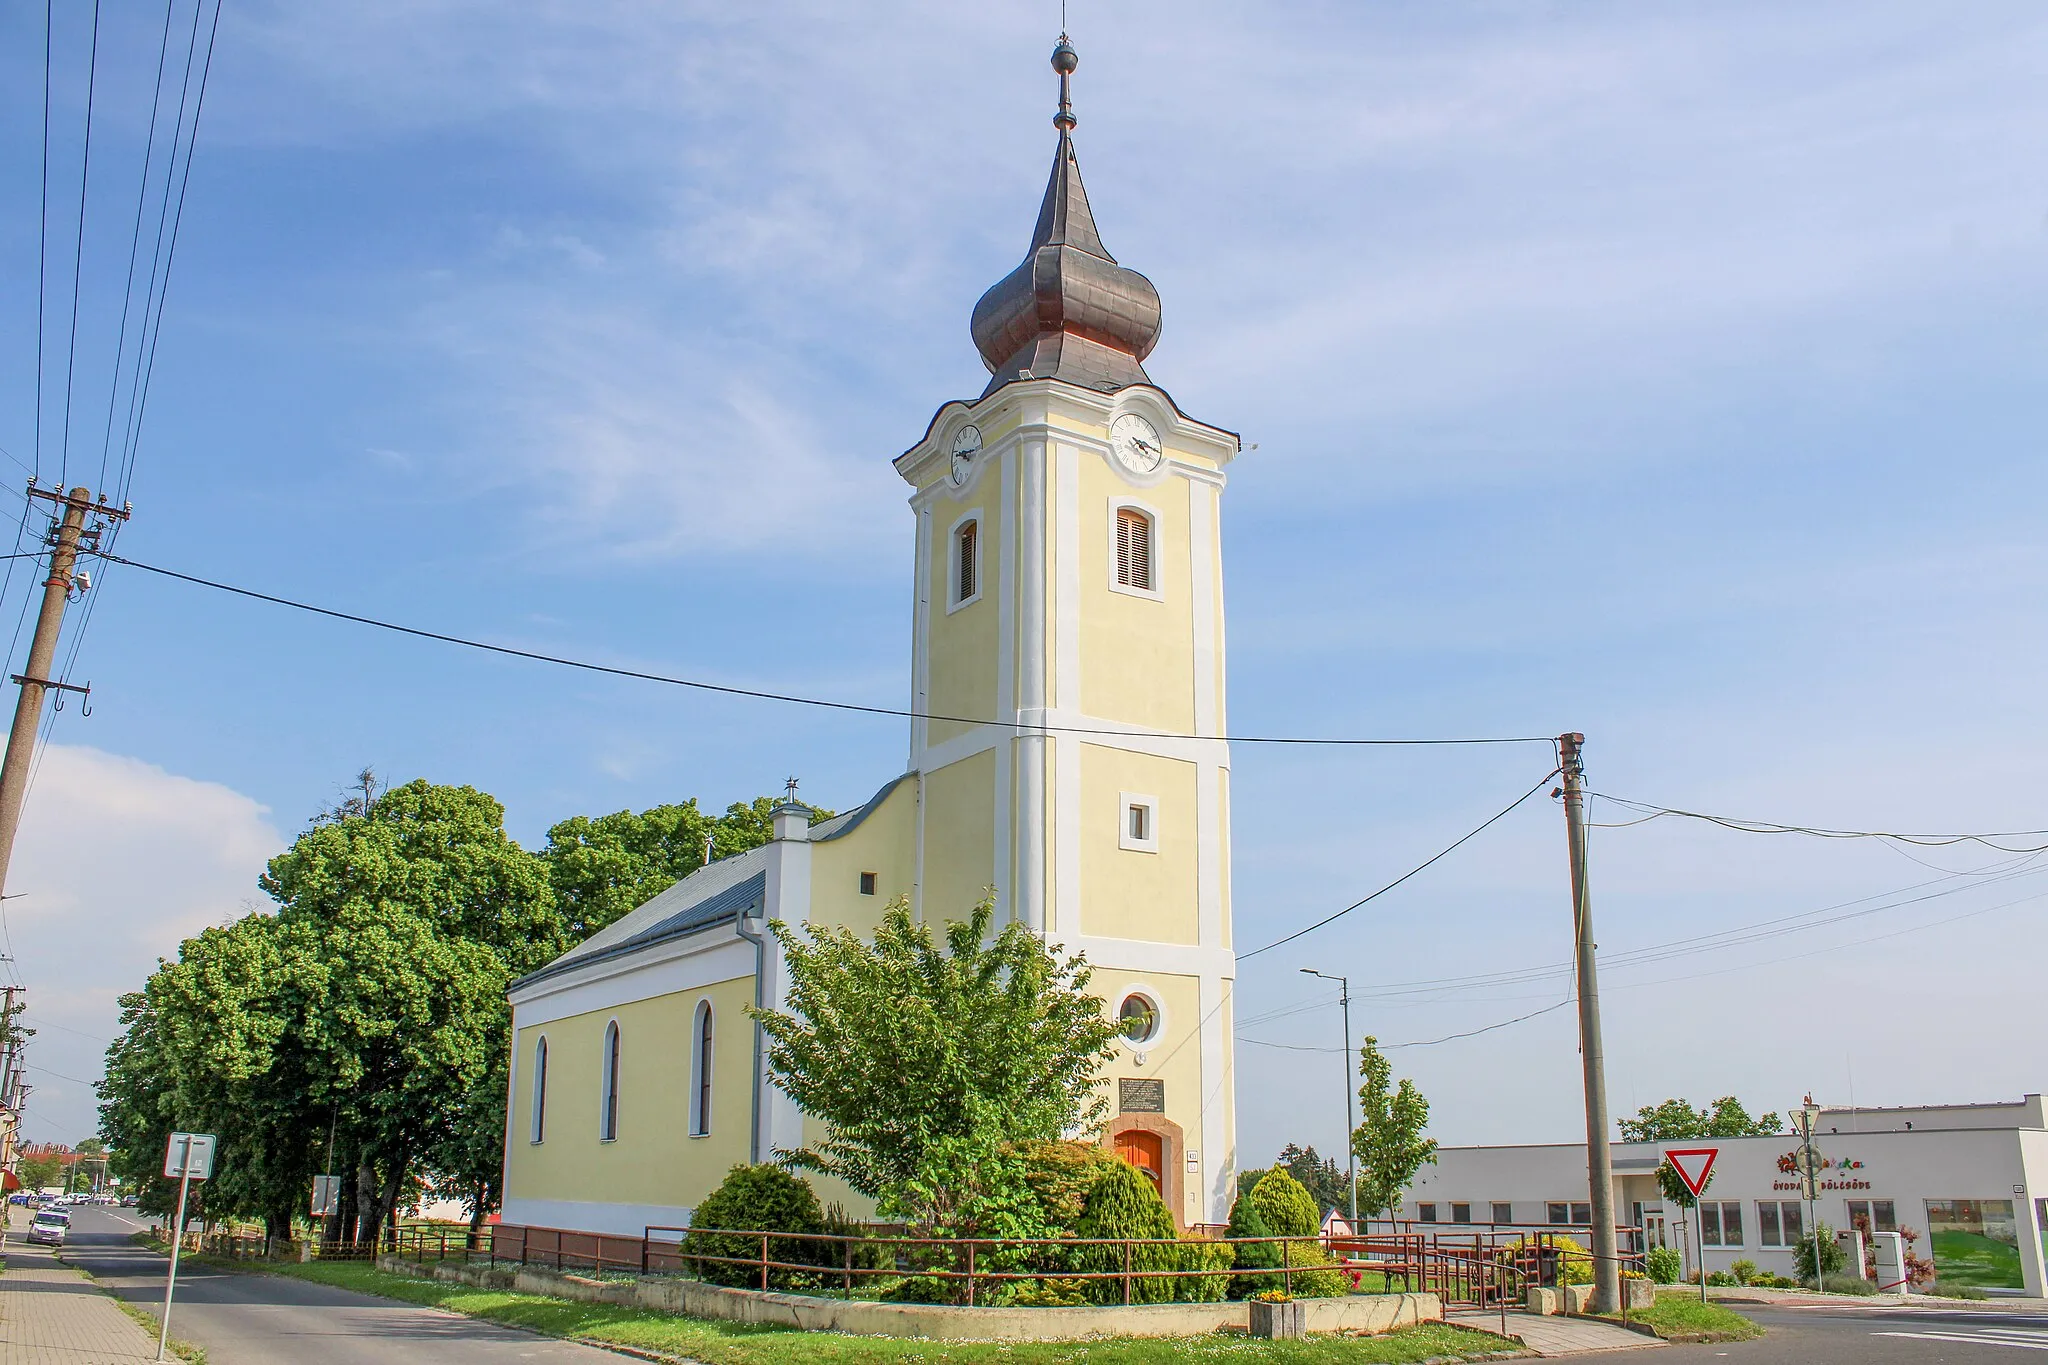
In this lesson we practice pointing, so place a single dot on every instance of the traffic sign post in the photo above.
(1695, 1167)
(188, 1157)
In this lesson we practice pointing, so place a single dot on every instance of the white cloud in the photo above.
(117, 862)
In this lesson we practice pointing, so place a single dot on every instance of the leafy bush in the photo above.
(1721, 1279)
(762, 1198)
(1059, 1175)
(1663, 1265)
(1957, 1291)
(1848, 1284)
(1286, 1205)
(1743, 1270)
(865, 1254)
(1833, 1259)
(1196, 1255)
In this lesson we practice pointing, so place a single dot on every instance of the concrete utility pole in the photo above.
(42, 654)
(1599, 1157)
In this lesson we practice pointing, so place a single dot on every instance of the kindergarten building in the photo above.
(1067, 669)
(1960, 1176)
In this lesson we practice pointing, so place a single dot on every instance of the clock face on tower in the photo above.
(966, 445)
(1135, 443)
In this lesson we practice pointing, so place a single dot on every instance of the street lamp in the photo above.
(1350, 1098)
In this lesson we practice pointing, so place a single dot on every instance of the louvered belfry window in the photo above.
(1133, 549)
(964, 547)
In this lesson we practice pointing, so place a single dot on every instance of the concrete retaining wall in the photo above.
(1357, 1313)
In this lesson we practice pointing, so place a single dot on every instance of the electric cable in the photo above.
(43, 235)
(92, 82)
(1426, 1042)
(1651, 812)
(794, 699)
(1438, 857)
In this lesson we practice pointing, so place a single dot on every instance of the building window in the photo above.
(1503, 1212)
(1556, 1213)
(966, 562)
(1425, 1213)
(540, 1089)
(608, 1105)
(867, 883)
(1138, 822)
(1779, 1223)
(1582, 1214)
(1873, 1215)
(1134, 550)
(700, 1072)
(1138, 1019)
(1721, 1223)
(1461, 1213)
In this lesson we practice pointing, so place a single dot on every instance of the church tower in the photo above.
(1068, 663)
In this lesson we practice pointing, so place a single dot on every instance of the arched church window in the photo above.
(700, 1072)
(540, 1089)
(608, 1114)
(966, 561)
(1138, 1019)
(1133, 549)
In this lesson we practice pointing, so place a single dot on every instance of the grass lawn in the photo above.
(1681, 1316)
(724, 1343)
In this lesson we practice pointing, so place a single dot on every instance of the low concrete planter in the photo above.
(939, 1322)
(1277, 1321)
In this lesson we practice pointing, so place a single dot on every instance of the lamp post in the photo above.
(1350, 1095)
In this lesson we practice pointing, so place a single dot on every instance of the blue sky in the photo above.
(1673, 374)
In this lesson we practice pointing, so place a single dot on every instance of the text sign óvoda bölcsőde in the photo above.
(189, 1154)
(1693, 1164)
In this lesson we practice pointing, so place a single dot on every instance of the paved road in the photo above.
(1880, 1335)
(244, 1319)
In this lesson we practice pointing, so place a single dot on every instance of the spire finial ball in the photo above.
(1064, 58)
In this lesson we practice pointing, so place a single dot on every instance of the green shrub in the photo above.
(864, 1254)
(1059, 1175)
(1721, 1279)
(1575, 1263)
(1203, 1255)
(1833, 1259)
(1957, 1291)
(1663, 1265)
(1245, 1222)
(1122, 1204)
(1247, 1179)
(1286, 1205)
(760, 1198)
(1743, 1270)
(1847, 1284)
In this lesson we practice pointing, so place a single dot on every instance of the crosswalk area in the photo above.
(1994, 1334)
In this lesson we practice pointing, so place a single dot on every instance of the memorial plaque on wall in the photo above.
(1141, 1096)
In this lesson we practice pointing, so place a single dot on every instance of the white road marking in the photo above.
(1987, 1339)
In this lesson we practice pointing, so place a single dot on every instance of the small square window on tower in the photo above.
(867, 883)
(1138, 822)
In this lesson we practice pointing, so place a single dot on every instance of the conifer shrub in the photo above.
(1251, 1256)
(1060, 1175)
(1122, 1204)
(1286, 1205)
(1286, 1209)
(764, 1198)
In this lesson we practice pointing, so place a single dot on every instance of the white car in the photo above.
(48, 1227)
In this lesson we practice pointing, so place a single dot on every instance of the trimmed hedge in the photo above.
(760, 1198)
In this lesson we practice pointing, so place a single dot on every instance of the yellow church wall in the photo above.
(1137, 653)
(1223, 848)
(1130, 894)
(959, 836)
(963, 641)
(653, 1160)
(885, 843)
(1176, 1059)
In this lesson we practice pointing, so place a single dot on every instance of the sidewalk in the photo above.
(50, 1314)
(1556, 1335)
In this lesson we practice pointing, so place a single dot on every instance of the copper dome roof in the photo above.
(1068, 311)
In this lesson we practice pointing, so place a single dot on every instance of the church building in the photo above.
(1067, 678)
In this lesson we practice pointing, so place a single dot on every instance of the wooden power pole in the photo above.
(65, 540)
(1599, 1156)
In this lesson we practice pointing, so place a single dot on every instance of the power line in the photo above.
(92, 82)
(1651, 812)
(822, 703)
(1426, 1042)
(1446, 852)
(43, 235)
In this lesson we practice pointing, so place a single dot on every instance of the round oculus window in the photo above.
(1138, 1020)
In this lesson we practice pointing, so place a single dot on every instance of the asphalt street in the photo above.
(254, 1319)
(1878, 1334)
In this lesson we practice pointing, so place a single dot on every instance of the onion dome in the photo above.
(1069, 311)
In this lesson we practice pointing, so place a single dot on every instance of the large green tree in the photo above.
(925, 1057)
(1388, 1141)
(1676, 1120)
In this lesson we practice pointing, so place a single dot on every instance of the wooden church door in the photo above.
(1146, 1151)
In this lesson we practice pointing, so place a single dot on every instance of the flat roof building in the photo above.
(1958, 1177)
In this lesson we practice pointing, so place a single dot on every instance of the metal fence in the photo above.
(1492, 1268)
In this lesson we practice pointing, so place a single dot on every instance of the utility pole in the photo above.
(1350, 1093)
(1599, 1157)
(66, 538)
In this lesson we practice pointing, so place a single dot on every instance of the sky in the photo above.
(1673, 374)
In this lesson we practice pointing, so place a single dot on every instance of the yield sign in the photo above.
(1694, 1165)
